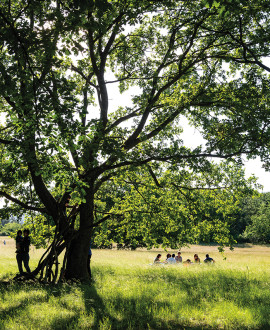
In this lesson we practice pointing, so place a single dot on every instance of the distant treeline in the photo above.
(253, 221)
(9, 228)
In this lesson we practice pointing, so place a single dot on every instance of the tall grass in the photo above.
(129, 293)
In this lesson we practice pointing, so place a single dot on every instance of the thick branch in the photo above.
(22, 204)
(5, 141)
(122, 119)
(153, 176)
(100, 221)
(175, 158)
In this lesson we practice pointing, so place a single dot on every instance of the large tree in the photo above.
(60, 137)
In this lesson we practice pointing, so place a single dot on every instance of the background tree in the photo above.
(10, 228)
(172, 209)
(254, 217)
(258, 231)
(60, 137)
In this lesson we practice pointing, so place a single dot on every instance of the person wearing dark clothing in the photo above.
(23, 252)
(89, 260)
(178, 258)
(19, 240)
(209, 260)
(66, 205)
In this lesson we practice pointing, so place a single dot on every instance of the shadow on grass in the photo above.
(129, 315)
(126, 312)
(95, 309)
(202, 291)
(17, 308)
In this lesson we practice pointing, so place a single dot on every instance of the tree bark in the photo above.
(78, 250)
(77, 257)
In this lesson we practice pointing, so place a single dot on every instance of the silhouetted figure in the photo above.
(22, 247)
(19, 240)
(89, 261)
(209, 260)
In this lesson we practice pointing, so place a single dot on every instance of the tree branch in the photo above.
(132, 140)
(100, 221)
(22, 204)
(103, 179)
(5, 141)
(153, 176)
(122, 119)
(87, 79)
(197, 188)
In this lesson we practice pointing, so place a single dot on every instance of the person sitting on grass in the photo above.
(187, 262)
(171, 260)
(178, 258)
(157, 259)
(209, 260)
(196, 259)
(167, 257)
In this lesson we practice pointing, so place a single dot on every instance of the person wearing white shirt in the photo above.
(171, 260)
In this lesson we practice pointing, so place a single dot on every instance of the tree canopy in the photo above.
(61, 140)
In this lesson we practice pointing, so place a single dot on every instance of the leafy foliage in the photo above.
(258, 222)
(10, 229)
(186, 207)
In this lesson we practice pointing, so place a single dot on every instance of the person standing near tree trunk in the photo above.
(23, 252)
(19, 240)
(89, 260)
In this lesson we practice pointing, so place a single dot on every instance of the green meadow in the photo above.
(129, 293)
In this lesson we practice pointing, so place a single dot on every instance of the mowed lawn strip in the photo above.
(129, 293)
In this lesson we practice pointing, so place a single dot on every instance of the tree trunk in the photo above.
(76, 243)
(77, 253)
(77, 257)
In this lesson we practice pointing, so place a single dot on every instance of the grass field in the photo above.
(129, 293)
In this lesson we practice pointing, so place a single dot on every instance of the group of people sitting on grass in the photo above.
(173, 259)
